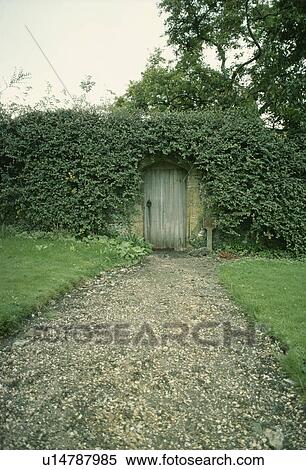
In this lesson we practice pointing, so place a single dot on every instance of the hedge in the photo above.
(79, 170)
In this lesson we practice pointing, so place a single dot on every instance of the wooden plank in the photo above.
(165, 207)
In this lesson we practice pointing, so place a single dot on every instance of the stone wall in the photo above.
(194, 206)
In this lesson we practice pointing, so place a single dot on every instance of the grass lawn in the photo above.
(33, 270)
(274, 292)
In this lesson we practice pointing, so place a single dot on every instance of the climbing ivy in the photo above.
(79, 170)
(254, 181)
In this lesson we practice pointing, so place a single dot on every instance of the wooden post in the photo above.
(209, 224)
(209, 231)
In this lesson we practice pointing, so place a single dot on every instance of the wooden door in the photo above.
(165, 207)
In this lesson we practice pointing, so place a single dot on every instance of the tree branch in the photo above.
(254, 39)
(222, 56)
(197, 22)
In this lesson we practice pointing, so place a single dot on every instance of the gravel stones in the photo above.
(135, 358)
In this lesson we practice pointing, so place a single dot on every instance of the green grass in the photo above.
(273, 291)
(34, 270)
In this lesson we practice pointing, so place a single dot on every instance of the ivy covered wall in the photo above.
(79, 170)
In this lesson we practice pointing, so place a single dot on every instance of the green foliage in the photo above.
(69, 169)
(253, 179)
(36, 267)
(260, 45)
(187, 84)
(128, 250)
(17, 78)
(80, 171)
(247, 248)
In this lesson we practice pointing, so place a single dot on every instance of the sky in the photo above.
(108, 39)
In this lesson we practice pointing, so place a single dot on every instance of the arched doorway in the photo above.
(165, 206)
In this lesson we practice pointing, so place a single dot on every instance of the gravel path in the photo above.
(124, 363)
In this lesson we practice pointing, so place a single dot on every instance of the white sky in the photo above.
(108, 39)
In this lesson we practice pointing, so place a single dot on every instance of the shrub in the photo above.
(79, 170)
(253, 179)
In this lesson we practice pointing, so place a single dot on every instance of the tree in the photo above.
(186, 84)
(268, 38)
